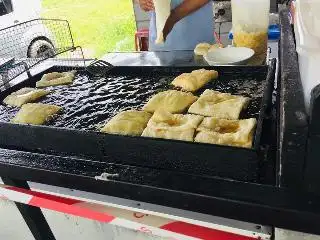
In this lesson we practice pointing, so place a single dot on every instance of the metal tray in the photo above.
(91, 100)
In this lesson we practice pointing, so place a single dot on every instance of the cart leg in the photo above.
(33, 216)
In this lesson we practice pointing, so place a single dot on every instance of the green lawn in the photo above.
(99, 26)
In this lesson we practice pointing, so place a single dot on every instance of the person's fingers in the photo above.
(149, 5)
(142, 4)
(146, 5)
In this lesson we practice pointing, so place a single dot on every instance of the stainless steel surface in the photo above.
(173, 58)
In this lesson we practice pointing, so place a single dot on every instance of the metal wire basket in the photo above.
(27, 44)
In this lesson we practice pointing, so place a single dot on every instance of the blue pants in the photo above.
(188, 32)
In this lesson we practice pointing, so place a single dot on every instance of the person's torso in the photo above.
(188, 32)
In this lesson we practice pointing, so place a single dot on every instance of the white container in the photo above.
(229, 56)
(250, 22)
(307, 31)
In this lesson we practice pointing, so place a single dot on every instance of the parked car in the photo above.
(27, 38)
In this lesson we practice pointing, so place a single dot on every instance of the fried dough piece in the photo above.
(172, 101)
(130, 122)
(195, 80)
(24, 95)
(219, 105)
(227, 132)
(202, 49)
(172, 126)
(56, 78)
(36, 113)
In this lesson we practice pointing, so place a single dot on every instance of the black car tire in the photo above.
(41, 49)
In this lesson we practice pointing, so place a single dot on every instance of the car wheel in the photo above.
(41, 49)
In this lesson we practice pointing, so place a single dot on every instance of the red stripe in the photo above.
(65, 205)
(202, 232)
(68, 201)
(61, 204)
(70, 209)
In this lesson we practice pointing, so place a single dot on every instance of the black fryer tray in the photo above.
(90, 101)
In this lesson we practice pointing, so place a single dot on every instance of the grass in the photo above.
(98, 26)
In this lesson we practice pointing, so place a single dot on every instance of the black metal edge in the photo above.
(293, 118)
(266, 102)
(235, 163)
(266, 205)
(268, 153)
(314, 127)
(227, 162)
(312, 176)
(312, 166)
(278, 133)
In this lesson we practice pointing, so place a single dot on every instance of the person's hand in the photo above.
(146, 5)
(171, 21)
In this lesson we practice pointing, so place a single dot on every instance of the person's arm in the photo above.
(146, 5)
(184, 9)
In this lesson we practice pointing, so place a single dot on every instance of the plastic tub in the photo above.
(273, 33)
(250, 22)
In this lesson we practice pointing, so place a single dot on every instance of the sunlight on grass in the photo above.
(99, 26)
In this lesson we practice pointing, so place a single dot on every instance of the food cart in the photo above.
(166, 189)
